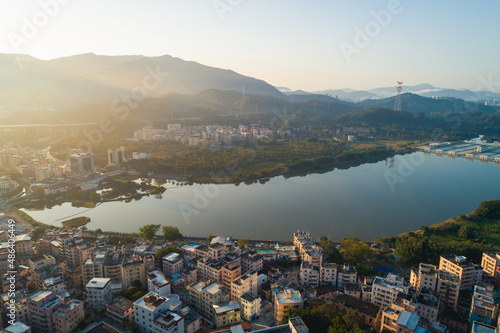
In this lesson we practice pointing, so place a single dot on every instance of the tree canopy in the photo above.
(171, 233)
(149, 231)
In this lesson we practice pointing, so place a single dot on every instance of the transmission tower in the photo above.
(397, 101)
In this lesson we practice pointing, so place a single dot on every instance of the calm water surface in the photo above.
(368, 201)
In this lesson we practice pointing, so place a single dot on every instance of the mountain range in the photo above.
(88, 85)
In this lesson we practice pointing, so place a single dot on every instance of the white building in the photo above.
(346, 274)
(155, 313)
(157, 283)
(99, 292)
(385, 290)
(172, 264)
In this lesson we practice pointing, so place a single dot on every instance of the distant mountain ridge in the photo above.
(423, 89)
(97, 79)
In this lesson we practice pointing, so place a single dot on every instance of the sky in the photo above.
(309, 45)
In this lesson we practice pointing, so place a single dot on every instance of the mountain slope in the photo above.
(95, 79)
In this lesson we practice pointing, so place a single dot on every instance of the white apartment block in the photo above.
(155, 313)
(385, 290)
(157, 283)
(98, 292)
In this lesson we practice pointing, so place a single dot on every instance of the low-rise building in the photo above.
(98, 292)
(68, 316)
(157, 283)
(286, 301)
(250, 306)
(227, 314)
(173, 263)
(154, 313)
(385, 290)
(120, 309)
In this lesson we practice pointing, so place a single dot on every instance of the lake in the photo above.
(372, 200)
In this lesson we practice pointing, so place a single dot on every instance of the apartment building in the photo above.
(226, 314)
(210, 269)
(346, 274)
(468, 273)
(24, 245)
(230, 272)
(154, 313)
(483, 308)
(385, 290)
(217, 251)
(93, 267)
(120, 309)
(172, 264)
(245, 284)
(212, 294)
(286, 301)
(491, 268)
(133, 271)
(195, 294)
(250, 306)
(41, 306)
(68, 316)
(157, 283)
(310, 274)
(251, 262)
(98, 292)
(445, 284)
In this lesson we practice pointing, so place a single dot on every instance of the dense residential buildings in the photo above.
(68, 316)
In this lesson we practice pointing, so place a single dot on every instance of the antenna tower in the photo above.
(397, 101)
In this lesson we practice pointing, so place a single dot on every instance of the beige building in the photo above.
(468, 273)
(250, 306)
(227, 314)
(286, 301)
(133, 271)
(491, 268)
(230, 272)
(172, 264)
(251, 262)
(245, 284)
(68, 316)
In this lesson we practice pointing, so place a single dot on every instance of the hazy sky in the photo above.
(308, 45)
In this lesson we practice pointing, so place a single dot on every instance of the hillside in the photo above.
(94, 79)
(412, 102)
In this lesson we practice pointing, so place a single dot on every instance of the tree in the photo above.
(243, 243)
(466, 232)
(149, 231)
(365, 270)
(209, 238)
(426, 230)
(356, 250)
(97, 232)
(171, 233)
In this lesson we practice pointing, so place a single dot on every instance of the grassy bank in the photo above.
(76, 222)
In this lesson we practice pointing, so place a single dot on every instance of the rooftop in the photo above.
(408, 320)
(228, 307)
(98, 283)
(289, 296)
(40, 295)
(121, 303)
